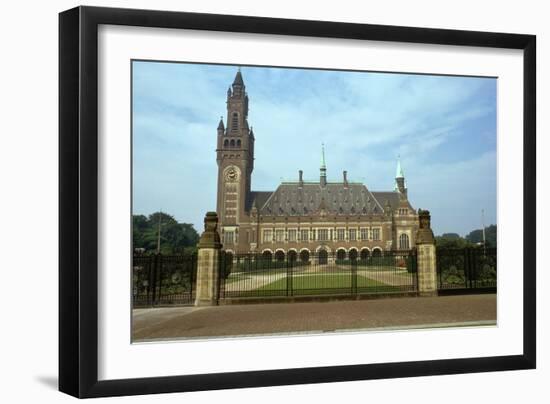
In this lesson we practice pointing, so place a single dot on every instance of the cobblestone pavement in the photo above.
(254, 319)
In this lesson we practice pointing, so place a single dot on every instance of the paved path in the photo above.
(388, 277)
(254, 319)
(252, 281)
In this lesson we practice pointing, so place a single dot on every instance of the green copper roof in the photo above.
(399, 171)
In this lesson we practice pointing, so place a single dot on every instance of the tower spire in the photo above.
(399, 170)
(400, 179)
(323, 170)
(238, 79)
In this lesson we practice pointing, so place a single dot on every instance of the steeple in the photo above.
(220, 125)
(323, 170)
(399, 170)
(238, 79)
(238, 84)
(400, 179)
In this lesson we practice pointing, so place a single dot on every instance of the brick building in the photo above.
(301, 218)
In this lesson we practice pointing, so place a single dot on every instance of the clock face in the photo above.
(231, 174)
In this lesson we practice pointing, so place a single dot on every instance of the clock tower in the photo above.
(235, 158)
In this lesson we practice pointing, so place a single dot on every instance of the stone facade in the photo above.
(302, 217)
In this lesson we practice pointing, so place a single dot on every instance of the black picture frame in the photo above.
(78, 201)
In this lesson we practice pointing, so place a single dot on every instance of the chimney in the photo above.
(300, 179)
(345, 179)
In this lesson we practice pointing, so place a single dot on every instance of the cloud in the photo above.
(437, 124)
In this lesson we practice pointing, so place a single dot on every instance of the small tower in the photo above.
(323, 170)
(400, 179)
(221, 128)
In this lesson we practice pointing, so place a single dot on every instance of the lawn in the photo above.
(333, 283)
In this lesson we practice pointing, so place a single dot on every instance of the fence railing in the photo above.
(255, 275)
(163, 279)
(467, 268)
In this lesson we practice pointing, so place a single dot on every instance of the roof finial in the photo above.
(323, 165)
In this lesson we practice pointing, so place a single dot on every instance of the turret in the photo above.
(400, 179)
(221, 128)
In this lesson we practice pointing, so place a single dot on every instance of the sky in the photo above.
(443, 128)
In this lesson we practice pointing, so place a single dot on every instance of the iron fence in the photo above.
(255, 275)
(164, 279)
(467, 268)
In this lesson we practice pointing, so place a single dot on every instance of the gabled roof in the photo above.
(258, 199)
(393, 197)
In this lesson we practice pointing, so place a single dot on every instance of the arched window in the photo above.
(304, 256)
(341, 255)
(238, 142)
(232, 143)
(267, 256)
(364, 254)
(279, 256)
(235, 121)
(225, 143)
(292, 256)
(352, 254)
(323, 257)
(403, 242)
(377, 252)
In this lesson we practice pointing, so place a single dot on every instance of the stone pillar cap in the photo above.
(210, 237)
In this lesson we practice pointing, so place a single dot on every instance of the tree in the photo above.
(476, 236)
(451, 236)
(174, 237)
(451, 240)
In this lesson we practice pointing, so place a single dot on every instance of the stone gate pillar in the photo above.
(207, 290)
(426, 258)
